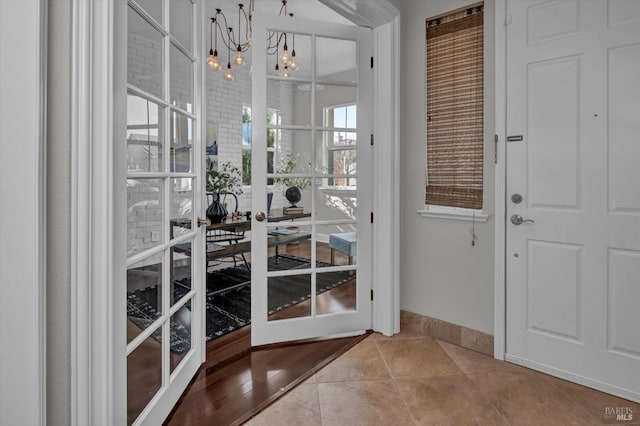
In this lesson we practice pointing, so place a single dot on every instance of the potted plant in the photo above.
(288, 165)
(224, 179)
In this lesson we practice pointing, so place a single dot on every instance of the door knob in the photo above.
(260, 216)
(516, 219)
(202, 222)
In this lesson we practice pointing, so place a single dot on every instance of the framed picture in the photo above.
(212, 139)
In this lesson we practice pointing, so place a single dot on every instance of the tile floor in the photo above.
(410, 379)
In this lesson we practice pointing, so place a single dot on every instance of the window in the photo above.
(273, 138)
(341, 145)
(454, 116)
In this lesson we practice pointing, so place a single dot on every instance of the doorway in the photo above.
(318, 147)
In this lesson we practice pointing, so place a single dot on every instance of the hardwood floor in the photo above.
(234, 382)
(234, 392)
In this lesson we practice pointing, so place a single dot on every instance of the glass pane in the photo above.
(144, 375)
(289, 297)
(335, 107)
(181, 273)
(335, 202)
(144, 295)
(144, 214)
(299, 43)
(289, 246)
(293, 104)
(181, 129)
(336, 292)
(145, 137)
(181, 80)
(180, 335)
(181, 13)
(336, 245)
(293, 148)
(291, 196)
(228, 299)
(342, 162)
(336, 154)
(144, 55)
(153, 8)
(327, 49)
(181, 203)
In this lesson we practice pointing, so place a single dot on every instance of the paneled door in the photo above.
(164, 334)
(311, 129)
(573, 199)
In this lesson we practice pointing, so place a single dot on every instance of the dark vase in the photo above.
(294, 195)
(216, 212)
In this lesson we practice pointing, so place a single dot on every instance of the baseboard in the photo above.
(448, 332)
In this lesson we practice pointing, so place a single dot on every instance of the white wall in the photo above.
(442, 275)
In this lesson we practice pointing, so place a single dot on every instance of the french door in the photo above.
(311, 129)
(573, 204)
(164, 335)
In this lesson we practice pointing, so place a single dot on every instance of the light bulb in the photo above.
(216, 64)
(284, 57)
(239, 58)
(228, 75)
(293, 64)
(285, 73)
(277, 71)
(213, 61)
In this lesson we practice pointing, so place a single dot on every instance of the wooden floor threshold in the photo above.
(235, 390)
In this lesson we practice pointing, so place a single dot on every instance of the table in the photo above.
(239, 225)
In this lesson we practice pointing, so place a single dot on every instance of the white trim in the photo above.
(97, 359)
(23, 39)
(386, 179)
(499, 320)
(454, 213)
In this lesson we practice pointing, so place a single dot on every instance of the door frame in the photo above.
(98, 366)
(500, 231)
(98, 361)
(23, 215)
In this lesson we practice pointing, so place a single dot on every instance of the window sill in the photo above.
(338, 190)
(454, 213)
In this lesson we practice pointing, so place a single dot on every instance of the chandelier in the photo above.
(240, 42)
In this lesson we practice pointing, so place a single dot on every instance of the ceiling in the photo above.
(338, 57)
(306, 9)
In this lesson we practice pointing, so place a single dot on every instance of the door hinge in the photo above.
(372, 62)
(495, 149)
(371, 217)
(371, 294)
(371, 139)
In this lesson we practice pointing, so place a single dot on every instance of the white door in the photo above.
(165, 264)
(311, 128)
(573, 265)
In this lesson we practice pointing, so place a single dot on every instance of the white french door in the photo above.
(322, 131)
(573, 199)
(165, 259)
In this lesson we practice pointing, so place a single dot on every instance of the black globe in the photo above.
(293, 194)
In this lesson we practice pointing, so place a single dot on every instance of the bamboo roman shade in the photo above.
(455, 109)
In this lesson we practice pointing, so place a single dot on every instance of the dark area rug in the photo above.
(229, 298)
